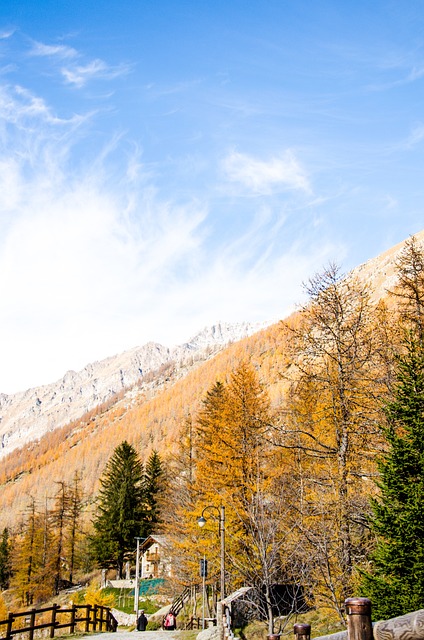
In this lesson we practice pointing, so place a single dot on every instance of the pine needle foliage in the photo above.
(154, 486)
(121, 509)
(395, 582)
(5, 560)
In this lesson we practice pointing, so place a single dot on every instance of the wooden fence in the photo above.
(78, 617)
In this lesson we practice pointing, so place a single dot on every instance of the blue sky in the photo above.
(165, 165)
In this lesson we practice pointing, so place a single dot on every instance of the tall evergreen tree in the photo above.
(395, 582)
(121, 513)
(5, 560)
(153, 485)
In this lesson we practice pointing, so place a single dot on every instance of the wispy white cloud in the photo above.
(19, 106)
(6, 33)
(390, 202)
(409, 76)
(416, 73)
(74, 71)
(92, 263)
(78, 265)
(416, 136)
(8, 68)
(79, 75)
(59, 51)
(264, 177)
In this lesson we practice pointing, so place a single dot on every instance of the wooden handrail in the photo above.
(97, 617)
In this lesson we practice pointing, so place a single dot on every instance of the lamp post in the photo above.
(137, 575)
(221, 532)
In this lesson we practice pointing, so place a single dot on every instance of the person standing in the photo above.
(142, 621)
(170, 622)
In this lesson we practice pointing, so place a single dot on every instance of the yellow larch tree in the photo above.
(331, 427)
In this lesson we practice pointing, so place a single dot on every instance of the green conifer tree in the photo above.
(153, 485)
(121, 512)
(395, 582)
(5, 560)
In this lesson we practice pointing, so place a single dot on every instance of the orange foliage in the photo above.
(149, 417)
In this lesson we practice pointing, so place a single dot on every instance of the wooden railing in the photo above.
(196, 622)
(78, 617)
(179, 601)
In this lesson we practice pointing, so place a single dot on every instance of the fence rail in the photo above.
(88, 617)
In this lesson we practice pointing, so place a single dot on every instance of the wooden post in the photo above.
(359, 624)
(73, 616)
(87, 619)
(101, 618)
(220, 619)
(95, 609)
(55, 607)
(302, 631)
(10, 620)
(32, 624)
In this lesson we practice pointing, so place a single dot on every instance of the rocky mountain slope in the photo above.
(153, 414)
(28, 415)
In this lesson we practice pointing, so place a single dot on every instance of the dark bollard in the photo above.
(359, 624)
(302, 631)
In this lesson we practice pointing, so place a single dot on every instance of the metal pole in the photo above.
(203, 591)
(222, 533)
(137, 572)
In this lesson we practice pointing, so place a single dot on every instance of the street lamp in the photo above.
(137, 577)
(221, 532)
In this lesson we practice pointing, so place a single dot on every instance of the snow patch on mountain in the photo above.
(26, 416)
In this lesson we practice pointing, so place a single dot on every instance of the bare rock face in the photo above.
(28, 415)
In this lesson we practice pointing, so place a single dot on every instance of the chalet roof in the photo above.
(161, 540)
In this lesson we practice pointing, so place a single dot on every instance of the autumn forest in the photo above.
(310, 433)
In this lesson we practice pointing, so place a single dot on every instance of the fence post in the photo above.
(73, 616)
(359, 624)
(302, 631)
(87, 619)
(10, 619)
(95, 617)
(101, 618)
(32, 623)
(53, 620)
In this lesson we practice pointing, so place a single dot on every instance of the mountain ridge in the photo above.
(157, 414)
(28, 415)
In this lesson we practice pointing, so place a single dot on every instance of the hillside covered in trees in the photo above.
(293, 430)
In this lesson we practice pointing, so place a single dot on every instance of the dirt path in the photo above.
(139, 635)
